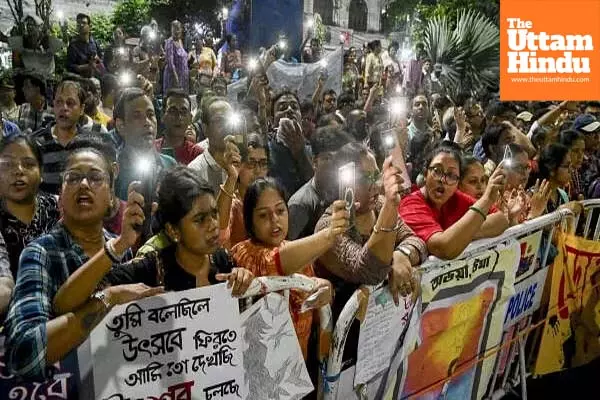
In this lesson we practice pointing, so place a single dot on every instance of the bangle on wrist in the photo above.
(102, 298)
(387, 230)
(478, 211)
(111, 253)
(228, 194)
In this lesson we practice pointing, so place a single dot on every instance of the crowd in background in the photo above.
(115, 188)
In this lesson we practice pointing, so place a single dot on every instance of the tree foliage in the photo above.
(468, 49)
(132, 15)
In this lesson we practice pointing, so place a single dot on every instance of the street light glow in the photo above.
(225, 13)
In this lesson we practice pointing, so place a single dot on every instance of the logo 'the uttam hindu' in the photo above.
(526, 50)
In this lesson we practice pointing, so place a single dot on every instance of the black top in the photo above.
(161, 268)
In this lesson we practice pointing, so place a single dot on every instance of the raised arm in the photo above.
(225, 196)
(450, 243)
(296, 254)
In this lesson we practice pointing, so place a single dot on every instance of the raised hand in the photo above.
(539, 199)
(340, 219)
(392, 182)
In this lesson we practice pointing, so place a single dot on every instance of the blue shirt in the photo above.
(45, 265)
(479, 152)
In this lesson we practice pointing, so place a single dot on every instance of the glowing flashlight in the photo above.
(121, 51)
(282, 44)
(235, 119)
(507, 159)
(60, 15)
(346, 184)
(225, 13)
(126, 78)
(323, 63)
(397, 107)
(310, 23)
(389, 141)
(398, 89)
(252, 64)
(152, 35)
(342, 37)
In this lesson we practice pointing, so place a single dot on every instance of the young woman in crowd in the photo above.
(187, 212)
(254, 165)
(36, 335)
(267, 253)
(443, 216)
(555, 167)
(25, 212)
(473, 179)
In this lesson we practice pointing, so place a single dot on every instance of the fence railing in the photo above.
(517, 349)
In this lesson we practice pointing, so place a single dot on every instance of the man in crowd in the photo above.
(421, 138)
(289, 160)
(307, 205)
(69, 101)
(135, 121)
(92, 103)
(312, 54)
(84, 55)
(35, 112)
(217, 118)
(109, 86)
(177, 118)
(8, 107)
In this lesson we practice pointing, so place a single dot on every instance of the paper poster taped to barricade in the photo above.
(380, 331)
(273, 361)
(462, 315)
(183, 345)
(527, 298)
(571, 333)
(64, 385)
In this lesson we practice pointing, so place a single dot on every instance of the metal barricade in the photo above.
(591, 211)
(267, 284)
(351, 309)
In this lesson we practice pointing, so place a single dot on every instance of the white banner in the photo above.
(184, 345)
(303, 77)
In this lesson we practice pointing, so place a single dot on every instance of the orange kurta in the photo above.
(264, 261)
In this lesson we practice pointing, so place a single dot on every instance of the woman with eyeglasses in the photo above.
(446, 218)
(25, 212)
(36, 335)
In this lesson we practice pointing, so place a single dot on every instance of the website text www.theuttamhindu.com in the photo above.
(538, 79)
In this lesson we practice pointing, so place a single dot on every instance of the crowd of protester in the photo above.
(113, 191)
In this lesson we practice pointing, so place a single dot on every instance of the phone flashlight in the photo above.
(323, 63)
(126, 78)
(152, 35)
(121, 51)
(252, 64)
(282, 44)
(346, 177)
(237, 127)
(145, 170)
(507, 159)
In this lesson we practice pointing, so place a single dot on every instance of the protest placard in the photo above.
(462, 315)
(273, 361)
(570, 336)
(184, 345)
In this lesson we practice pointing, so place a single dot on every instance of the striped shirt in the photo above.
(54, 156)
(45, 265)
(30, 118)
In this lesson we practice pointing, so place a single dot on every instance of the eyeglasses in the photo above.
(520, 169)
(94, 178)
(371, 179)
(257, 164)
(8, 164)
(446, 177)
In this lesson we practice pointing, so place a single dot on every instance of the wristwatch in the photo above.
(101, 297)
(404, 250)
